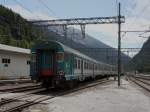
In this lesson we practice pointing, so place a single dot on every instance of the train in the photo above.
(57, 65)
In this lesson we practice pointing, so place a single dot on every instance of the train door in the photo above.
(68, 65)
(47, 62)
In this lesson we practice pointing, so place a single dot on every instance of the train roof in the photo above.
(70, 50)
(73, 51)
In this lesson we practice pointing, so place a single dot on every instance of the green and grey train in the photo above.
(55, 65)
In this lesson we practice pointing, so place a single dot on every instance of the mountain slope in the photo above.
(15, 30)
(141, 62)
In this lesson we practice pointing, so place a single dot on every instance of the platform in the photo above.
(103, 98)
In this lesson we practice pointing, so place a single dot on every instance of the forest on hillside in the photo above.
(141, 62)
(16, 31)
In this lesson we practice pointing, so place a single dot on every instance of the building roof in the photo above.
(14, 49)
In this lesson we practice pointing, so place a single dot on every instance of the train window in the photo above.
(79, 64)
(104, 67)
(59, 56)
(75, 63)
(90, 66)
(96, 67)
(84, 65)
(48, 58)
(87, 65)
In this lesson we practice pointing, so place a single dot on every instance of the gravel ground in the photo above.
(102, 98)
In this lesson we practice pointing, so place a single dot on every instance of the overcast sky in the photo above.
(135, 11)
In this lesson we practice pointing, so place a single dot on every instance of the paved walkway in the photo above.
(103, 98)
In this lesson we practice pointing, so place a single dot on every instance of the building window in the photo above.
(28, 62)
(3, 60)
(5, 65)
(6, 61)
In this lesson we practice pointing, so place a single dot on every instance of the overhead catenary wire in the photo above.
(136, 18)
(20, 4)
(23, 6)
(142, 11)
(116, 2)
(47, 7)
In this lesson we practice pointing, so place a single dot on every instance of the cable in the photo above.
(116, 6)
(25, 8)
(146, 6)
(45, 5)
(142, 11)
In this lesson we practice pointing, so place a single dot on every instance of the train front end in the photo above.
(47, 64)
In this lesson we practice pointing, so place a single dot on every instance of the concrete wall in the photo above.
(17, 68)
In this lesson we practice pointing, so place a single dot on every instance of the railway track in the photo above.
(142, 82)
(31, 99)
(15, 98)
(142, 77)
(21, 89)
(15, 81)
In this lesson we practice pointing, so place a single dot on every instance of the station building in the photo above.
(14, 62)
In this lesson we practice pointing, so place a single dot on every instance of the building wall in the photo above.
(18, 66)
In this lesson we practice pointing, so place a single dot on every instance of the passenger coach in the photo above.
(54, 64)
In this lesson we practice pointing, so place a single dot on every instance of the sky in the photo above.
(136, 14)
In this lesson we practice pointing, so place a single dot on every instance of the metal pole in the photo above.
(119, 45)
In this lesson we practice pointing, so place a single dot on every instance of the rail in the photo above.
(44, 98)
(141, 81)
